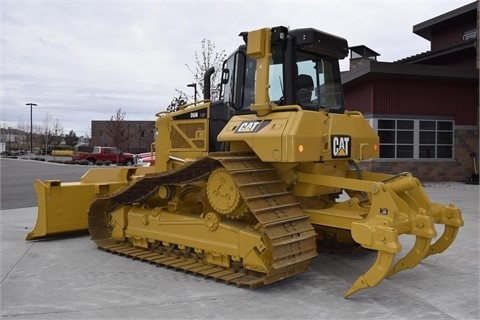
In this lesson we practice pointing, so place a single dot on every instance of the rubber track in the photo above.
(292, 239)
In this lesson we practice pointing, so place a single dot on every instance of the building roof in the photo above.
(447, 50)
(375, 69)
(417, 66)
(424, 29)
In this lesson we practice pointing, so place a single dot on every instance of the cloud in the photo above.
(81, 60)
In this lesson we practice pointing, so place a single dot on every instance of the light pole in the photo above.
(139, 135)
(194, 85)
(9, 143)
(128, 135)
(31, 128)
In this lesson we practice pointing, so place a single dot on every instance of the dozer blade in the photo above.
(63, 206)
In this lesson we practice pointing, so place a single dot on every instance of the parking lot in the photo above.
(69, 278)
(17, 176)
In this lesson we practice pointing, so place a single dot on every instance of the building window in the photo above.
(436, 139)
(396, 138)
(415, 138)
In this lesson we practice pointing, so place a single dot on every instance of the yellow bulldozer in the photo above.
(246, 189)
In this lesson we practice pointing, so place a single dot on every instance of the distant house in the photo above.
(425, 107)
(12, 139)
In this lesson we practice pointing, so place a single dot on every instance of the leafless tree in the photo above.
(24, 127)
(116, 128)
(44, 131)
(57, 133)
(204, 60)
(4, 129)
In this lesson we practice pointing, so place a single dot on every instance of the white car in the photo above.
(146, 159)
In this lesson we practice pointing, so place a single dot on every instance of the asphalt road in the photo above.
(17, 176)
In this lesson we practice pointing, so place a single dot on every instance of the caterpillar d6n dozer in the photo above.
(244, 189)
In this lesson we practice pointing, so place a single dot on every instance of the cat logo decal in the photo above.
(251, 126)
(341, 146)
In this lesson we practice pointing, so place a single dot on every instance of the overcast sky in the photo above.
(82, 60)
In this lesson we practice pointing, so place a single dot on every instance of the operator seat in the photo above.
(304, 88)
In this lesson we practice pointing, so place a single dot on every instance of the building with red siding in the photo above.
(132, 136)
(425, 108)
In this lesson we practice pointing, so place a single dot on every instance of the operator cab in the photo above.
(304, 71)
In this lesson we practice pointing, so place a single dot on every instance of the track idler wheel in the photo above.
(223, 194)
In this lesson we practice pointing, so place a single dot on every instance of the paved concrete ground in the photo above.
(71, 279)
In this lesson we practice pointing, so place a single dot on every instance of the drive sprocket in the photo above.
(223, 194)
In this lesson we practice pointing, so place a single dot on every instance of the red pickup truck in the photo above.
(111, 154)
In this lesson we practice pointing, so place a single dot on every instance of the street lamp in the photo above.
(9, 143)
(139, 135)
(194, 85)
(31, 128)
(128, 135)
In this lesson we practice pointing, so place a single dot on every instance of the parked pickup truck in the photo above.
(111, 154)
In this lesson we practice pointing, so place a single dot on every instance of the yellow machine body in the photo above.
(245, 190)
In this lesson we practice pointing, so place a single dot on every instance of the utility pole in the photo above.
(128, 135)
(9, 143)
(139, 135)
(31, 128)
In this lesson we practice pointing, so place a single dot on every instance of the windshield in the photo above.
(310, 80)
(325, 75)
(318, 84)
